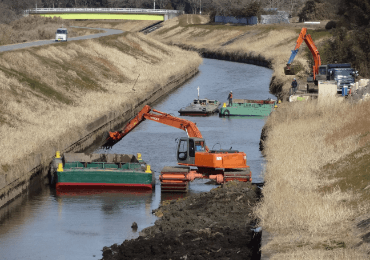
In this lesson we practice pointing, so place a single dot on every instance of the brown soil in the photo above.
(211, 225)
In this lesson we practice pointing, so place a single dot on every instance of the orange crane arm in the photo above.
(151, 114)
(303, 36)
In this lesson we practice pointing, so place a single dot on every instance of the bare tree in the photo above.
(163, 3)
(194, 5)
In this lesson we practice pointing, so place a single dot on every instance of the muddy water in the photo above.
(47, 225)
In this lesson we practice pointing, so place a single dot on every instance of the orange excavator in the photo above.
(303, 36)
(219, 165)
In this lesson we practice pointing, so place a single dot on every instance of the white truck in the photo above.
(61, 35)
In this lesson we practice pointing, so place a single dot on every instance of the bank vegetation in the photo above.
(50, 93)
(315, 191)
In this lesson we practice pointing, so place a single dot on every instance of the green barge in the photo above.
(100, 171)
(247, 107)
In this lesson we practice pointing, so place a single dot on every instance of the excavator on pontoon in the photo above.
(219, 165)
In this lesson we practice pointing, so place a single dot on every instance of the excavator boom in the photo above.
(151, 114)
(303, 36)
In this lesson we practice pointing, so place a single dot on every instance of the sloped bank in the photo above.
(210, 225)
(84, 90)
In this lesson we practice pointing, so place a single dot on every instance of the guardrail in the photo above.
(101, 10)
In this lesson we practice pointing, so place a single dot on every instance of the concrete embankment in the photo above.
(106, 85)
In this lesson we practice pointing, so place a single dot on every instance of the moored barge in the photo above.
(247, 107)
(101, 171)
(200, 107)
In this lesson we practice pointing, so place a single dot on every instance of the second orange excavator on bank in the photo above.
(219, 165)
(304, 37)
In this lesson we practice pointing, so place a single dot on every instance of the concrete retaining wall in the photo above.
(231, 19)
(13, 185)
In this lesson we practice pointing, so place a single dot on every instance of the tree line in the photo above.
(351, 41)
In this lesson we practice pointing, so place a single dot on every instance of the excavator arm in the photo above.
(222, 165)
(303, 36)
(151, 114)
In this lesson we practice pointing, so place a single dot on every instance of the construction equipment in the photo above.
(303, 36)
(219, 165)
(342, 74)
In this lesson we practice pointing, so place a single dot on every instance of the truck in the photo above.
(61, 35)
(341, 73)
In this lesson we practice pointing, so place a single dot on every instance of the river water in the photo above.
(46, 225)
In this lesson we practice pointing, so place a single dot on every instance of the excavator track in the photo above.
(241, 174)
(174, 179)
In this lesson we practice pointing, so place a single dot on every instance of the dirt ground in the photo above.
(211, 225)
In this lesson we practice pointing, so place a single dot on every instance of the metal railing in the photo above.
(101, 10)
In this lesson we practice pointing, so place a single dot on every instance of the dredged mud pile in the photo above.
(211, 225)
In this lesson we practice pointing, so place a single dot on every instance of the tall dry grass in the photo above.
(48, 100)
(304, 218)
(124, 25)
(33, 28)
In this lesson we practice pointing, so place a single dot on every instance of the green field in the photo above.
(142, 17)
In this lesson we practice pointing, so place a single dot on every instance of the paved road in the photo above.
(45, 42)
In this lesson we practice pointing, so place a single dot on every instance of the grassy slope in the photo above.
(63, 87)
(33, 28)
(274, 42)
(130, 26)
(316, 184)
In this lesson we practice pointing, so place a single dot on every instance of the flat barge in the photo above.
(200, 107)
(101, 171)
(247, 107)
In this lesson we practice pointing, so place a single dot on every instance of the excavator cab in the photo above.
(187, 148)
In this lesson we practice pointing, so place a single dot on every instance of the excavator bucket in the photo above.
(290, 70)
(107, 141)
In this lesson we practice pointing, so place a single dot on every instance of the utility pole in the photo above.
(200, 9)
(154, 5)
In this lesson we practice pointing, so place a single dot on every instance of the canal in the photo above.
(46, 225)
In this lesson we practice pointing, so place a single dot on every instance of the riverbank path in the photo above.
(46, 42)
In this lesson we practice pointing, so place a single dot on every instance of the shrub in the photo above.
(331, 25)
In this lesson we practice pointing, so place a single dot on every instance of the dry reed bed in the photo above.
(272, 42)
(308, 221)
(124, 25)
(47, 100)
(33, 28)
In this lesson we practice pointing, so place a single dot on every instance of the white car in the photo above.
(61, 35)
